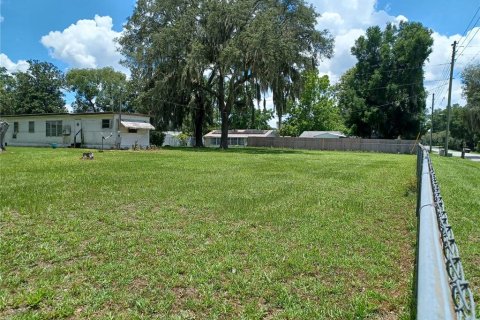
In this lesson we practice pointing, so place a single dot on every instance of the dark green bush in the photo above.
(157, 138)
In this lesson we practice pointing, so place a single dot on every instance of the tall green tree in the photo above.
(38, 90)
(291, 44)
(215, 47)
(315, 110)
(383, 94)
(471, 90)
(98, 90)
(7, 92)
(156, 44)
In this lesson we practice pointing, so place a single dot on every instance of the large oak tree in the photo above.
(179, 49)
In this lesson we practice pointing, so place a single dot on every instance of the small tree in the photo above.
(315, 110)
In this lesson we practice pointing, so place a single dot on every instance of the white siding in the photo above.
(92, 131)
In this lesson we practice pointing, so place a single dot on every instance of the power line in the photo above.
(468, 26)
(393, 102)
(466, 64)
(471, 39)
(400, 69)
(403, 85)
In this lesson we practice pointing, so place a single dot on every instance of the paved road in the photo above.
(470, 156)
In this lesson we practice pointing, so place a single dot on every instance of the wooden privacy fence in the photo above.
(342, 144)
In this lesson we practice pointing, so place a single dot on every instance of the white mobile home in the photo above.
(87, 130)
(237, 137)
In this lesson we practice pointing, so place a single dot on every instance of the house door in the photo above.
(77, 133)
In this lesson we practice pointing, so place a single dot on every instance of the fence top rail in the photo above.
(461, 293)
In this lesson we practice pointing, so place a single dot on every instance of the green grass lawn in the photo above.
(459, 181)
(189, 234)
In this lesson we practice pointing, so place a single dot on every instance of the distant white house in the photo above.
(78, 129)
(322, 134)
(236, 137)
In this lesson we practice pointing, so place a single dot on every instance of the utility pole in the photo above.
(431, 123)
(449, 98)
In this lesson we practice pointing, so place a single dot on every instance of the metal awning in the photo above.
(137, 125)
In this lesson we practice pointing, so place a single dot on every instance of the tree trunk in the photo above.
(224, 136)
(199, 117)
(253, 116)
(223, 112)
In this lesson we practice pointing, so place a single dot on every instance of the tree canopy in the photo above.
(7, 92)
(215, 47)
(471, 84)
(97, 90)
(37, 90)
(471, 91)
(383, 94)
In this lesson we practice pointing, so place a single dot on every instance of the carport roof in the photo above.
(137, 125)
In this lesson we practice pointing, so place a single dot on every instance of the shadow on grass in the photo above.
(266, 150)
(240, 150)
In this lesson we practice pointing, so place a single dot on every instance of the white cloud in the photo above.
(2, 19)
(349, 19)
(438, 68)
(20, 65)
(86, 44)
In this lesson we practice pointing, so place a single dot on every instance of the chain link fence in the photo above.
(458, 303)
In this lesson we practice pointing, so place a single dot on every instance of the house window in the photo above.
(53, 128)
(15, 130)
(130, 130)
(31, 126)
(233, 141)
(106, 123)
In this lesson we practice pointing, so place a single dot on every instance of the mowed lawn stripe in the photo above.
(182, 233)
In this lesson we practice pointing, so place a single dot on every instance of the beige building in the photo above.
(238, 137)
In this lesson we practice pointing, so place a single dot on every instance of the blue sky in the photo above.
(26, 21)
(447, 17)
(74, 33)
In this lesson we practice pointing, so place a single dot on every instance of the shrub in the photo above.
(157, 138)
(438, 139)
(183, 137)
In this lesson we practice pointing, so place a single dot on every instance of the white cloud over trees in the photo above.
(349, 19)
(86, 44)
(20, 65)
